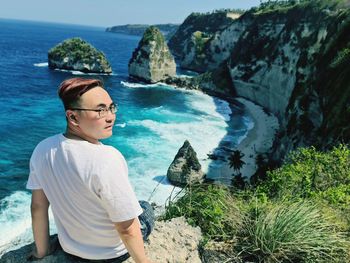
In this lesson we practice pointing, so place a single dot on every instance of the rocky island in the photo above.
(152, 61)
(77, 54)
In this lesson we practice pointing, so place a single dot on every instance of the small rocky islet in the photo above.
(77, 54)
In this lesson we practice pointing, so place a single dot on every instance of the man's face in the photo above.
(90, 123)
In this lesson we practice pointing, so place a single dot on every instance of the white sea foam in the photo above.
(77, 72)
(185, 76)
(204, 128)
(42, 64)
(92, 74)
(140, 85)
(122, 125)
(15, 221)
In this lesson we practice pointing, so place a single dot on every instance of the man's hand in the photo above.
(129, 231)
(53, 245)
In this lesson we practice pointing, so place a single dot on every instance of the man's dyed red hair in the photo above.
(72, 89)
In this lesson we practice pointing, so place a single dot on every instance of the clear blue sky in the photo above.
(113, 12)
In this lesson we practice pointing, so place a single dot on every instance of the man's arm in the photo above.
(40, 222)
(130, 232)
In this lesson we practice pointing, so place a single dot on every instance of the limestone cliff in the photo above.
(77, 54)
(152, 61)
(292, 58)
(195, 43)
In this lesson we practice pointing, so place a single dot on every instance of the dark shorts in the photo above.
(147, 219)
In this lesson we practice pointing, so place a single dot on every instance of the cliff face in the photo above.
(293, 59)
(195, 43)
(152, 61)
(77, 54)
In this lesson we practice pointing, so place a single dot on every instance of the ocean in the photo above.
(152, 123)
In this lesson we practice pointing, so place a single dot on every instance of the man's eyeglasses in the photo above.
(102, 112)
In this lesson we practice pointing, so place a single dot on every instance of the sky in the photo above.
(105, 13)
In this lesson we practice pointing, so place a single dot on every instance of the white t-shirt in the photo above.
(88, 189)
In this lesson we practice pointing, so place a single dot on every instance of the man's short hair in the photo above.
(72, 89)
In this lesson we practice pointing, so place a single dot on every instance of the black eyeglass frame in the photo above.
(113, 108)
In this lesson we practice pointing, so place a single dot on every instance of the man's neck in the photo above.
(70, 134)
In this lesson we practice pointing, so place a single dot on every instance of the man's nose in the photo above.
(110, 116)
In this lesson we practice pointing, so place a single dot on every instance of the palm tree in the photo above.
(236, 161)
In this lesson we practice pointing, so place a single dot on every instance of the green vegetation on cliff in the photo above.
(153, 34)
(207, 24)
(299, 213)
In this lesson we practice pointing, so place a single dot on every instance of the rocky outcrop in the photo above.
(185, 168)
(173, 241)
(152, 61)
(77, 54)
(170, 241)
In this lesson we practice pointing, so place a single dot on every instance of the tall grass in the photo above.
(209, 206)
(297, 232)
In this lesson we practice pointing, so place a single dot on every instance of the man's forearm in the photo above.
(40, 225)
(132, 239)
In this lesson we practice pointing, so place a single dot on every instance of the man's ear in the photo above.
(71, 118)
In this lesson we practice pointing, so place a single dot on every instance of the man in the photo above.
(86, 183)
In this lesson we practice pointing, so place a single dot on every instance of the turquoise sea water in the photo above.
(152, 123)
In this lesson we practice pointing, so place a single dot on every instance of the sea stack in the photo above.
(185, 169)
(152, 61)
(77, 54)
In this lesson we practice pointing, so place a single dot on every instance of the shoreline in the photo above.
(259, 139)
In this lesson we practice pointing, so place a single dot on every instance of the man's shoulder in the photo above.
(47, 143)
(110, 152)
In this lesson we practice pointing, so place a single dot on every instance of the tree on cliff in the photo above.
(235, 160)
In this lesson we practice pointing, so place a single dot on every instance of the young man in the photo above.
(86, 183)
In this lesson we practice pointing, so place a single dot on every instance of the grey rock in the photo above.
(77, 54)
(152, 61)
(185, 168)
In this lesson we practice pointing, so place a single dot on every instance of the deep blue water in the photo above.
(152, 122)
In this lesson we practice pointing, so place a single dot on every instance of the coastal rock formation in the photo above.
(170, 241)
(202, 41)
(290, 58)
(77, 54)
(185, 168)
(152, 61)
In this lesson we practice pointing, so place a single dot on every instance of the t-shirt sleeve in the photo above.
(114, 189)
(33, 180)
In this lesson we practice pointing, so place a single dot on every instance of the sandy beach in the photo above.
(259, 140)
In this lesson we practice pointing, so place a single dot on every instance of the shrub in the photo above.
(297, 232)
(312, 174)
(209, 206)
